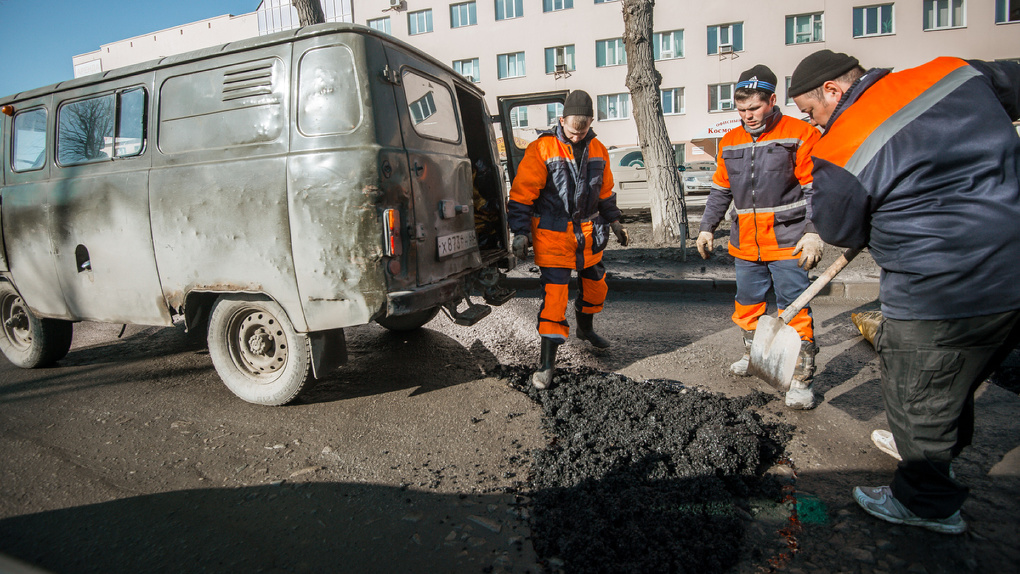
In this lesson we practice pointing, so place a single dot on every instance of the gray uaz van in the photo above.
(276, 190)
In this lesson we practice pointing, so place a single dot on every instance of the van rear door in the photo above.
(516, 143)
(443, 228)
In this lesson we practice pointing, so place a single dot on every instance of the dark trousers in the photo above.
(930, 370)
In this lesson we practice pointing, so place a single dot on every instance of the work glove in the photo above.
(621, 234)
(705, 240)
(810, 248)
(520, 246)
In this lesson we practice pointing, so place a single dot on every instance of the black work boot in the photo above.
(544, 375)
(585, 332)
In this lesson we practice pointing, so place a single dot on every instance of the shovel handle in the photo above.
(813, 289)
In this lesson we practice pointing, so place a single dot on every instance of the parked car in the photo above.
(631, 179)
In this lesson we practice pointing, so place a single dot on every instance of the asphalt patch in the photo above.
(646, 476)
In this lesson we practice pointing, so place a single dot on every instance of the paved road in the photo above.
(131, 455)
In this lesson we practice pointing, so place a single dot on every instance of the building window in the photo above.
(468, 68)
(419, 22)
(1006, 11)
(614, 107)
(553, 111)
(605, 1)
(29, 140)
(506, 9)
(939, 14)
(554, 5)
(804, 28)
(672, 101)
(720, 97)
(463, 15)
(510, 65)
(559, 59)
(519, 117)
(726, 38)
(381, 24)
(789, 98)
(873, 20)
(610, 53)
(668, 45)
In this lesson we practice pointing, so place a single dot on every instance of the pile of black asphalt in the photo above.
(646, 476)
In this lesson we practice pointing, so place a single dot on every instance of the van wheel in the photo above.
(28, 341)
(256, 351)
(409, 322)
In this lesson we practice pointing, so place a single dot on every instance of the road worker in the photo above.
(764, 171)
(562, 204)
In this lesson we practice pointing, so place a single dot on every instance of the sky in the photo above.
(38, 38)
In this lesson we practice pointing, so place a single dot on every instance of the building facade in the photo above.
(521, 46)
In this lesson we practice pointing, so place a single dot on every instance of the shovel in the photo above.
(776, 345)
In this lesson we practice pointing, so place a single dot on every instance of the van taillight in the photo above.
(391, 232)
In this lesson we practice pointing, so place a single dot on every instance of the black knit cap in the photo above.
(759, 77)
(818, 68)
(578, 103)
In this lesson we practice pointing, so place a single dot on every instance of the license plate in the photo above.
(457, 242)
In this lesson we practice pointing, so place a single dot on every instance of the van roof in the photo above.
(238, 46)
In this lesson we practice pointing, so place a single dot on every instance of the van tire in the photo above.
(28, 341)
(409, 322)
(256, 351)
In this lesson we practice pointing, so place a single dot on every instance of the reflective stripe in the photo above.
(786, 207)
(875, 141)
(763, 143)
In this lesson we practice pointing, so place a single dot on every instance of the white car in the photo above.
(631, 179)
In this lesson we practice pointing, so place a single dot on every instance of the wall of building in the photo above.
(764, 26)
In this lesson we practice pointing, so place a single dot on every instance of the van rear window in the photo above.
(430, 103)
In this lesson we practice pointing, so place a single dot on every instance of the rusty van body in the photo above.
(272, 191)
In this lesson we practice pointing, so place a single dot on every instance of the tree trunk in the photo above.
(669, 210)
(309, 12)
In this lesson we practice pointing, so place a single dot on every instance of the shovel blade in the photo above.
(774, 352)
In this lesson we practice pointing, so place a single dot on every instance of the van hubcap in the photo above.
(259, 346)
(15, 322)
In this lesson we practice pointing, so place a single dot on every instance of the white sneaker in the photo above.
(885, 442)
(800, 399)
(740, 367)
(880, 503)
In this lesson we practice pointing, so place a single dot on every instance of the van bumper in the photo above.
(404, 302)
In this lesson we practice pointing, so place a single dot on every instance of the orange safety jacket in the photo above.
(768, 182)
(565, 207)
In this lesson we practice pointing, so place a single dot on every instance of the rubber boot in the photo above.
(544, 375)
(740, 367)
(801, 396)
(585, 332)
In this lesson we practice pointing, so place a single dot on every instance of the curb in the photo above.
(834, 290)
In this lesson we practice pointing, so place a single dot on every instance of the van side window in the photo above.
(237, 105)
(101, 128)
(329, 92)
(29, 140)
(430, 102)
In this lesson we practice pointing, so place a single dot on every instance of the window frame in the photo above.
(930, 11)
(472, 14)
(519, 58)
(618, 42)
(673, 35)
(617, 96)
(518, 9)
(717, 97)
(1002, 11)
(550, 5)
(427, 14)
(372, 24)
(116, 128)
(552, 112)
(571, 64)
(863, 10)
(517, 114)
(736, 37)
(792, 30)
(476, 64)
(14, 139)
(683, 101)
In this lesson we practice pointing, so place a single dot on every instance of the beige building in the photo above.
(522, 46)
